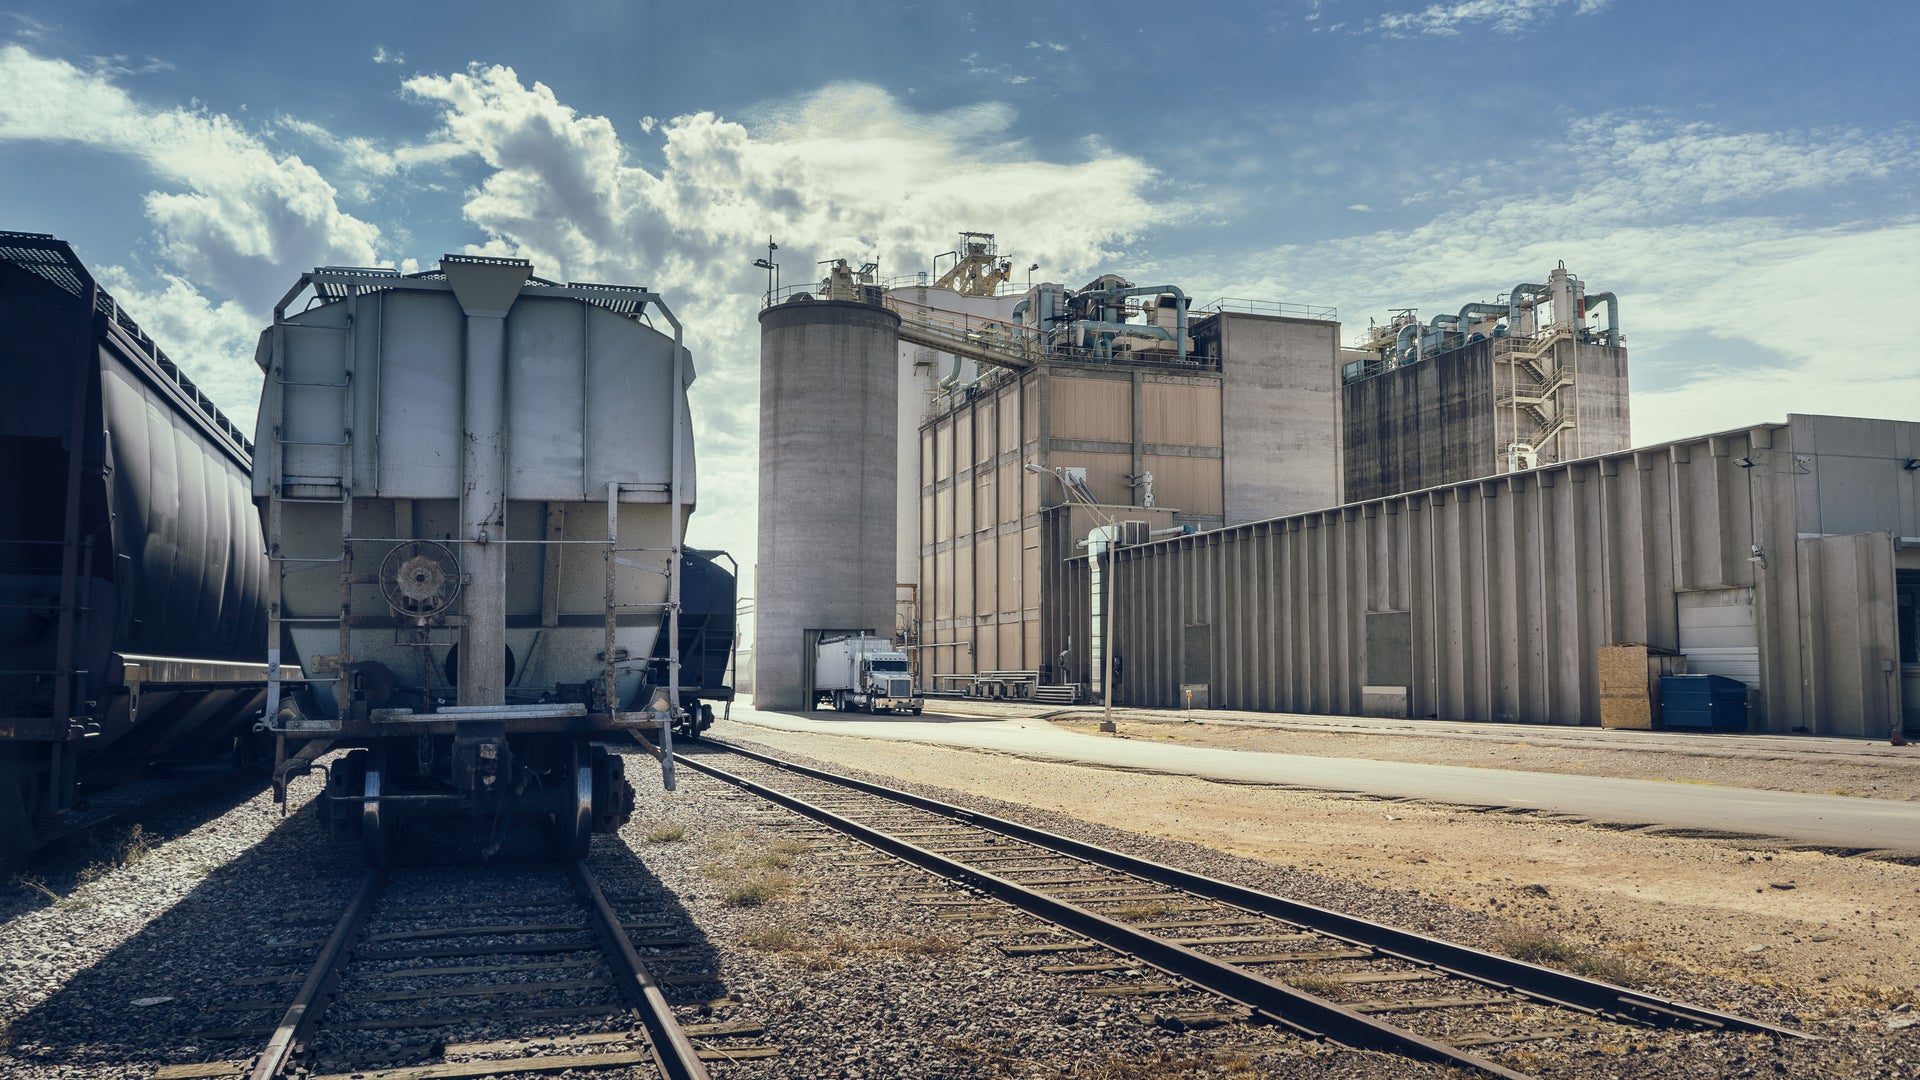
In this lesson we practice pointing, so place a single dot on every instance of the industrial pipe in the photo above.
(1468, 310)
(1180, 309)
(1411, 330)
(1613, 315)
(1535, 292)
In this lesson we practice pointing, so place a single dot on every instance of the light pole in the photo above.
(772, 268)
(1112, 599)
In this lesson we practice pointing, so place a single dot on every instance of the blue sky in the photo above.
(1741, 175)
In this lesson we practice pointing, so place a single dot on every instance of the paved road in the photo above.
(1815, 819)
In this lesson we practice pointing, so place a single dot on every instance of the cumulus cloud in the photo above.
(235, 214)
(233, 219)
(847, 171)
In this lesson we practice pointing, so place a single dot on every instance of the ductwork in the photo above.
(1179, 335)
(1470, 310)
(1533, 292)
(1613, 315)
(1401, 342)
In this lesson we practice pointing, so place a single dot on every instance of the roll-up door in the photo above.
(1720, 635)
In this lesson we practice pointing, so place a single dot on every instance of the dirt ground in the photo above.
(1837, 931)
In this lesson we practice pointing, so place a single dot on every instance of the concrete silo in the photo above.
(829, 398)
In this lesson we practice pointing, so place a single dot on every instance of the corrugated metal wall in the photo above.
(1489, 600)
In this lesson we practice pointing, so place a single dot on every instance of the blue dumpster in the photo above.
(1703, 701)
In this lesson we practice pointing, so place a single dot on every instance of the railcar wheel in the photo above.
(576, 827)
(373, 822)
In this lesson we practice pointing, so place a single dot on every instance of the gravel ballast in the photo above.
(809, 937)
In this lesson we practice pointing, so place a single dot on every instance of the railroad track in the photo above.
(1264, 958)
(440, 973)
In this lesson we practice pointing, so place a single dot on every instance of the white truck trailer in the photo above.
(864, 673)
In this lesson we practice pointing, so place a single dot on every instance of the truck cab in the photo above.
(864, 673)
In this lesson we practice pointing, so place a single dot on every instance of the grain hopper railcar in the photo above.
(475, 485)
(132, 570)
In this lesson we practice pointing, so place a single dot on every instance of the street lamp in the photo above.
(1112, 584)
(1030, 271)
(772, 268)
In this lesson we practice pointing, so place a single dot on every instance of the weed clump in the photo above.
(1538, 948)
(755, 889)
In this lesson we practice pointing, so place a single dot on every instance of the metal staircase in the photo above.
(1536, 404)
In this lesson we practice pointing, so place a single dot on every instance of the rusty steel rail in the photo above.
(322, 977)
(1541, 984)
(1307, 1014)
(673, 1052)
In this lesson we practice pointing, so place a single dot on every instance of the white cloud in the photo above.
(847, 171)
(1735, 309)
(382, 56)
(1499, 16)
(29, 28)
(844, 172)
(234, 222)
(237, 215)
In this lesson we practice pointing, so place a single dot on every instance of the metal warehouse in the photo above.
(1785, 555)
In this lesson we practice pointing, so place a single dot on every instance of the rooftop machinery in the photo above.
(1537, 331)
(1405, 340)
(1095, 323)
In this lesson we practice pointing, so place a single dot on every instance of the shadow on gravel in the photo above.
(72, 860)
(211, 977)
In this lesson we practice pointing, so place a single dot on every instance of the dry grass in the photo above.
(1881, 997)
(1538, 948)
(781, 855)
(1317, 985)
(666, 834)
(917, 945)
(756, 888)
(830, 951)
(1152, 909)
(127, 847)
(54, 897)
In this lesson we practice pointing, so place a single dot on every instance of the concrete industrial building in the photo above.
(1512, 533)
(1155, 412)
(1496, 388)
(1786, 556)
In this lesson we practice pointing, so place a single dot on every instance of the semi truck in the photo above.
(866, 673)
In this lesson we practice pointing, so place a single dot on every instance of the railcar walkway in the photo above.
(1824, 820)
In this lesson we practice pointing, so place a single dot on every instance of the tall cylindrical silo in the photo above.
(829, 397)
